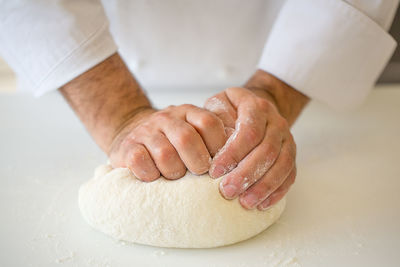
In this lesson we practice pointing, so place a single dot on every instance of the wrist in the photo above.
(104, 98)
(287, 100)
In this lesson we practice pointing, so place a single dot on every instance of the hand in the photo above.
(168, 142)
(117, 113)
(259, 157)
(113, 107)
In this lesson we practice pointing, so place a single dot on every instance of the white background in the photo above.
(342, 211)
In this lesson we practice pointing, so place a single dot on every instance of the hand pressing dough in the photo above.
(185, 213)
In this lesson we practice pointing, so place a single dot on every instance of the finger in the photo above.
(164, 156)
(253, 166)
(210, 128)
(189, 145)
(140, 163)
(223, 108)
(272, 180)
(279, 193)
(249, 132)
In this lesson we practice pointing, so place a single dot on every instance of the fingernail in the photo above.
(229, 190)
(250, 200)
(218, 170)
(265, 205)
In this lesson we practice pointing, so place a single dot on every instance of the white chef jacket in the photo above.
(330, 50)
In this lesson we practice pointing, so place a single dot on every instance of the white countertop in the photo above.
(344, 209)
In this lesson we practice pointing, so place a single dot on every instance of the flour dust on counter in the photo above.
(184, 213)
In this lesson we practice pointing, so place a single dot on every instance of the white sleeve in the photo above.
(49, 43)
(332, 51)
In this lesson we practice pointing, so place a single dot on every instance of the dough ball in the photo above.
(185, 213)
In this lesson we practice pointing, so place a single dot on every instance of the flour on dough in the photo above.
(185, 213)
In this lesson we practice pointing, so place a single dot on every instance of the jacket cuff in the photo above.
(329, 51)
(99, 46)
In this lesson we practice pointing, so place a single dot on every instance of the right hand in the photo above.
(167, 142)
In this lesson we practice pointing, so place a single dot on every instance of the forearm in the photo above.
(289, 101)
(104, 98)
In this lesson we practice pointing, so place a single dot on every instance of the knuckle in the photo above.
(206, 121)
(136, 157)
(264, 104)
(163, 153)
(253, 135)
(169, 107)
(188, 106)
(233, 89)
(185, 137)
(210, 101)
(162, 116)
(216, 104)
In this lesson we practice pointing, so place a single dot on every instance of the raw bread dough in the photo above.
(185, 213)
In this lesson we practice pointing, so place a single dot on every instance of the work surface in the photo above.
(344, 209)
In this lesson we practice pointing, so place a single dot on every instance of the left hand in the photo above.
(259, 156)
